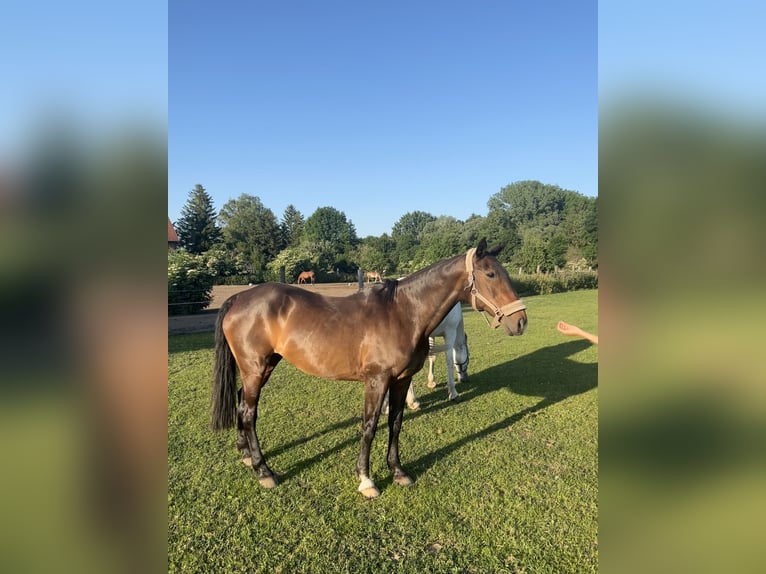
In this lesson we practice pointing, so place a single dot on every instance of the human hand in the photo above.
(567, 329)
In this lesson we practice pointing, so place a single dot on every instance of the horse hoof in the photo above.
(431, 385)
(414, 406)
(455, 399)
(370, 493)
(403, 480)
(247, 461)
(267, 482)
(368, 489)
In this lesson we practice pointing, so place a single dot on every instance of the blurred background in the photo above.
(682, 175)
(83, 183)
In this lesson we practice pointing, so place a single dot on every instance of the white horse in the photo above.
(456, 348)
(456, 352)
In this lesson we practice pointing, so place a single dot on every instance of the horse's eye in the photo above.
(491, 274)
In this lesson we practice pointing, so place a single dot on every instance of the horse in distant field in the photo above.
(374, 276)
(306, 275)
(377, 335)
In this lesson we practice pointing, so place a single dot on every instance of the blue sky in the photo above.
(92, 65)
(706, 54)
(378, 109)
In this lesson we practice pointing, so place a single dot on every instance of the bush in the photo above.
(546, 284)
(190, 283)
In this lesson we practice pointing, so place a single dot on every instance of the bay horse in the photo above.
(305, 275)
(378, 335)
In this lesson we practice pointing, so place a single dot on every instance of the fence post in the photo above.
(282, 274)
(360, 277)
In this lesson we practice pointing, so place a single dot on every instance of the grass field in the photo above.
(505, 480)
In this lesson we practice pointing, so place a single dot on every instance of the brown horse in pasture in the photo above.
(379, 336)
(374, 276)
(306, 275)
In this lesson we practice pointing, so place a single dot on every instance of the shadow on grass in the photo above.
(547, 373)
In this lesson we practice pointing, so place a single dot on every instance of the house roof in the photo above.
(172, 235)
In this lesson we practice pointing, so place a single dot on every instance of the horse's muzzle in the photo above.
(514, 325)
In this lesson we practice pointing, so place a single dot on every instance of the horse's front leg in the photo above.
(397, 394)
(452, 391)
(375, 390)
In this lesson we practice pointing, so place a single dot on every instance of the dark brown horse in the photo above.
(379, 336)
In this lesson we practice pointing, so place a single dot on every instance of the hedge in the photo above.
(546, 284)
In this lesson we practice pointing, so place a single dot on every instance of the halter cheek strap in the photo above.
(500, 312)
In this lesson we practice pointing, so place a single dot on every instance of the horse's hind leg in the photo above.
(247, 415)
(397, 394)
(431, 361)
(450, 355)
(412, 401)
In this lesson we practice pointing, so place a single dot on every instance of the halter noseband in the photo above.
(500, 312)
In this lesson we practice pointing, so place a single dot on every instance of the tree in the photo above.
(374, 254)
(406, 234)
(440, 238)
(580, 226)
(292, 226)
(251, 229)
(196, 228)
(562, 223)
(294, 259)
(497, 228)
(531, 256)
(531, 205)
(556, 252)
(190, 283)
(330, 226)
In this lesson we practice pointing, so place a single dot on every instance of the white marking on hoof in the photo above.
(403, 480)
(267, 482)
(414, 406)
(247, 461)
(431, 384)
(368, 489)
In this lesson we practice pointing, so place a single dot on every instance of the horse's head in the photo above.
(492, 291)
(461, 358)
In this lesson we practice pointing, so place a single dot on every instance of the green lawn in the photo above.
(505, 480)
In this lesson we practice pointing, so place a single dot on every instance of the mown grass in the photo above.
(505, 481)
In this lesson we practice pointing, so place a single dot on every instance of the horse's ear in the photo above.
(495, 250)
(482, 248)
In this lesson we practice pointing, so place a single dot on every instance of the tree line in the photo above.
(542, 228)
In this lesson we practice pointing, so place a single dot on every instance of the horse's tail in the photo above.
(224, 376)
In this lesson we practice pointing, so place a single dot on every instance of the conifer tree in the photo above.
(197, 229)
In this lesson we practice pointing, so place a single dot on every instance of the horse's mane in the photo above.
(388, 291)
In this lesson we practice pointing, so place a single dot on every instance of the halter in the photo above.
(500, 312)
